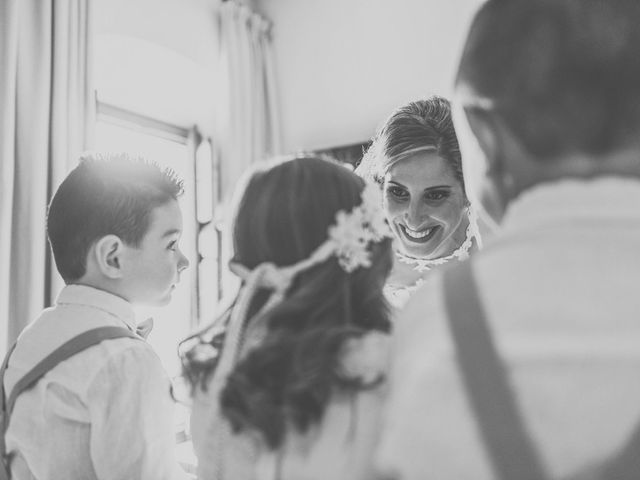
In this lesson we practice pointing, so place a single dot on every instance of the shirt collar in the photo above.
(100, 299)
(607, 198)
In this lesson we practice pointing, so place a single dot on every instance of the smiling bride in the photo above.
(415, 158)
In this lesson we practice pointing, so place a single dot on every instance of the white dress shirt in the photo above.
(560, 288)
(105, 413)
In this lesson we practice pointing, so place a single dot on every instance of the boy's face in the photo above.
(152, 270)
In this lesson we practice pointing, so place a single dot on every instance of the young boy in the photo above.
(105, 412)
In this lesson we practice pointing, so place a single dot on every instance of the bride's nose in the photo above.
(415, 214)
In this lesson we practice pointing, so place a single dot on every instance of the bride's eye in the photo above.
(397, 192)
(437, 195)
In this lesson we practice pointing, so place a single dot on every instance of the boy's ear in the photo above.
(108, 253)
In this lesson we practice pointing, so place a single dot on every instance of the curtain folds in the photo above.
(46, 117)
(248, 103)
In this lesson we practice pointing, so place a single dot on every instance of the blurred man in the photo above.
(550, 90)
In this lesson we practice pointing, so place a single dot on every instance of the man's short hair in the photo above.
(564, 75)
(105, 194)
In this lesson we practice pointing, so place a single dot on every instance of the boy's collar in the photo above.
(100, 299)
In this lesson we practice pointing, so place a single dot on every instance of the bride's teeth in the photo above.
(418, 235)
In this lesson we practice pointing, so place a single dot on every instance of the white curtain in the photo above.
(46, 116)
(248, 103)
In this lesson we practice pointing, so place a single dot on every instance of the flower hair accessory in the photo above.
(350, 236)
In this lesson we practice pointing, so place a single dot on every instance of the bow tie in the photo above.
(144, 328)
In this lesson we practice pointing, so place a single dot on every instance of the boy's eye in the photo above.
(173, 245)
(437, 195)
(397, 192)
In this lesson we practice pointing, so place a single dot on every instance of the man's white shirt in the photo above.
(560, 291)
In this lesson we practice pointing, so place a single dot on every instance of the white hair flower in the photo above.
(353, 231)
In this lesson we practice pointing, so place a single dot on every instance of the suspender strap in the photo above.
(3, 369)
(505, 438)
(4, 473)
(65, 351)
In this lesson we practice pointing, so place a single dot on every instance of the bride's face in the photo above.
(425, 206)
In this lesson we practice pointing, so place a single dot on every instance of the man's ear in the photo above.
(485, 128)
(492, 176)
(498, 144)
(108, 252)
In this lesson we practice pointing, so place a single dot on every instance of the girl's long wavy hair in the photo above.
(287, 380)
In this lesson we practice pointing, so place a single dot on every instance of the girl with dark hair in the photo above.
(416, 160)
(292, 386)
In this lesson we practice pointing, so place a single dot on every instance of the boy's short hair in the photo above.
(106, 194)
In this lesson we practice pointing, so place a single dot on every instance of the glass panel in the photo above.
(204, 183)
(209, 272)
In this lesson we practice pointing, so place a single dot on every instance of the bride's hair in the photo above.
(288, 378)
(419, 126)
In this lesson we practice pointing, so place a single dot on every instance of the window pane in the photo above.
(204, 183)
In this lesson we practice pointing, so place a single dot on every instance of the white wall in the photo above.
(186, 26)
(158, 58)
(343, 65)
